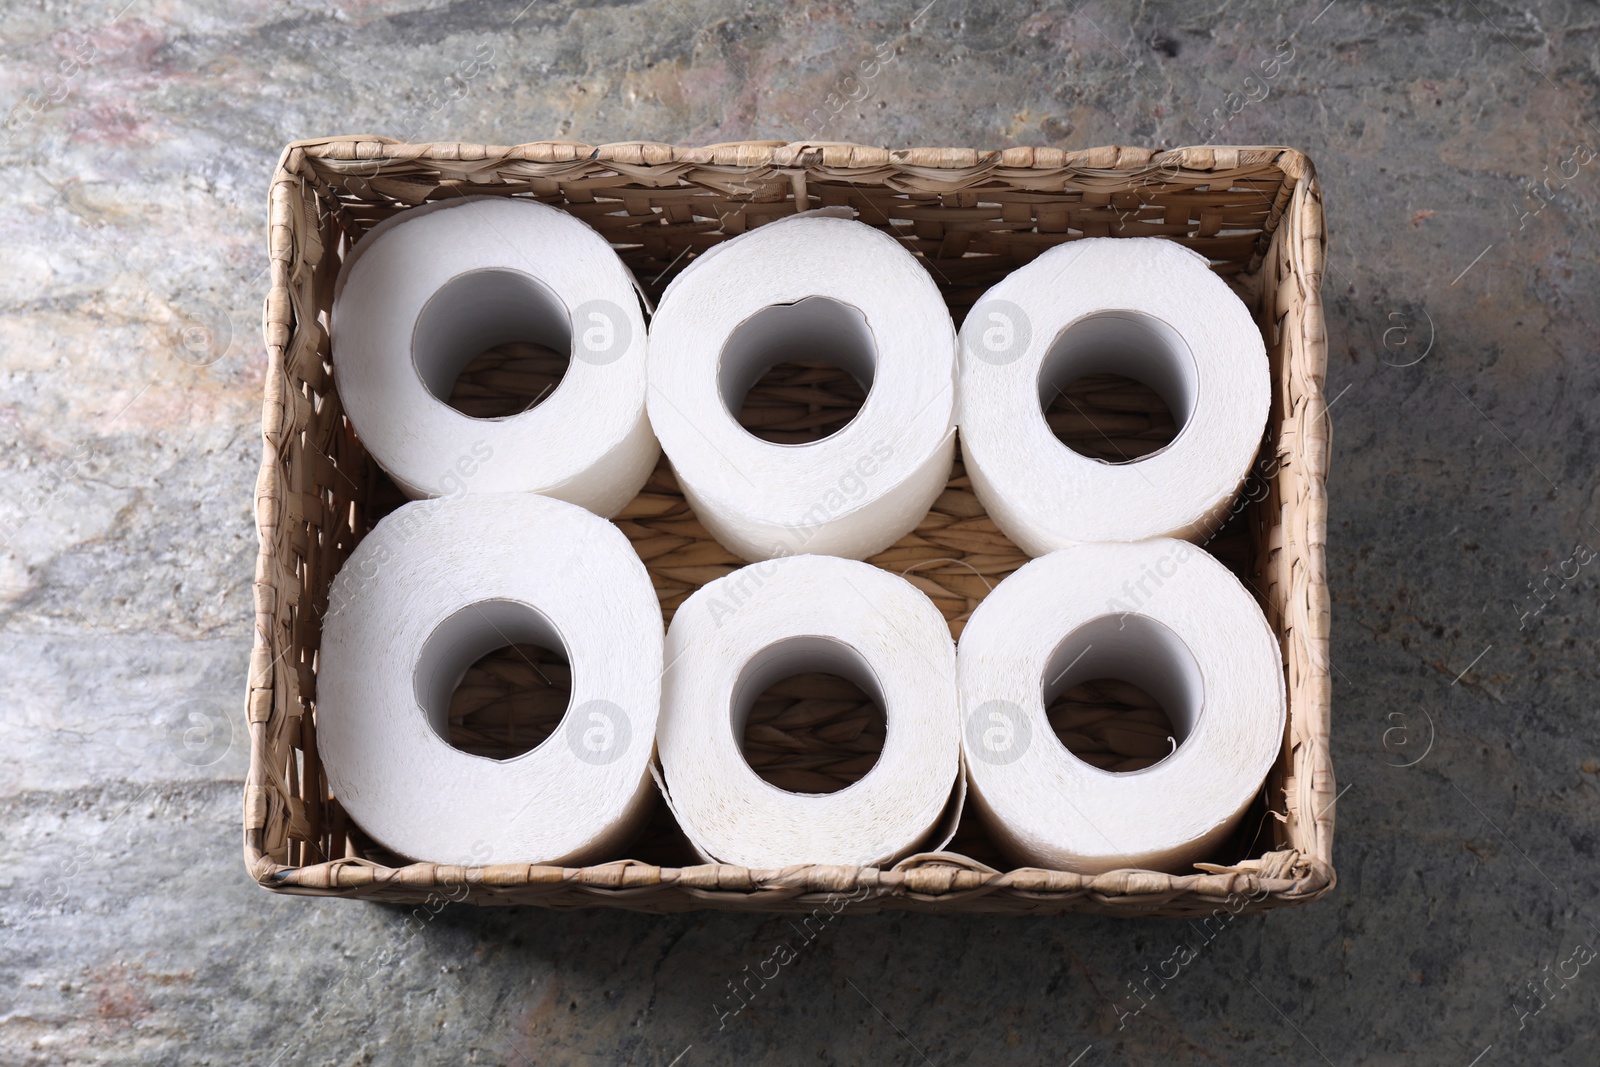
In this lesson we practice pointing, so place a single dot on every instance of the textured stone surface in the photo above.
(135, 163)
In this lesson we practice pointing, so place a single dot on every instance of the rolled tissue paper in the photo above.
(740, 634)
(1164, 616)
(434, 587)
(810, 287)
(430, 289)
(1145, 308)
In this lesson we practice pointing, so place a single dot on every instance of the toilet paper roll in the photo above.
(740, 634)
(1164, 616)
(434, 587)
(818, 288)
(1145, 308)
(428, 290)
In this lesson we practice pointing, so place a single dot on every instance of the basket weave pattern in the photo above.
(971, 217)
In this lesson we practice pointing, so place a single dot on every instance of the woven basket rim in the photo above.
(803, 154)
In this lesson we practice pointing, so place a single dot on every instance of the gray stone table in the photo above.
(1455, 143)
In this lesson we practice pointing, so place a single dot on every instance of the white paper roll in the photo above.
(434, 587)
(1145, 308)
(807, 287)
(428, 290)
(1162, 615)
(740, 634)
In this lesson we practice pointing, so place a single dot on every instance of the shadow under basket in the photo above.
(970, 217)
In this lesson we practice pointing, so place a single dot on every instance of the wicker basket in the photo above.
(971, 216)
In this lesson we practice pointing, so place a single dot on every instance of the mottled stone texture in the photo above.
(1455, 145)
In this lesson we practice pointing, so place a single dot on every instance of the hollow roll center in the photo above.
(812, 331)
(1130, 344)
(1135, 649)
(808, 713)
(463, 639)
(479, 310)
